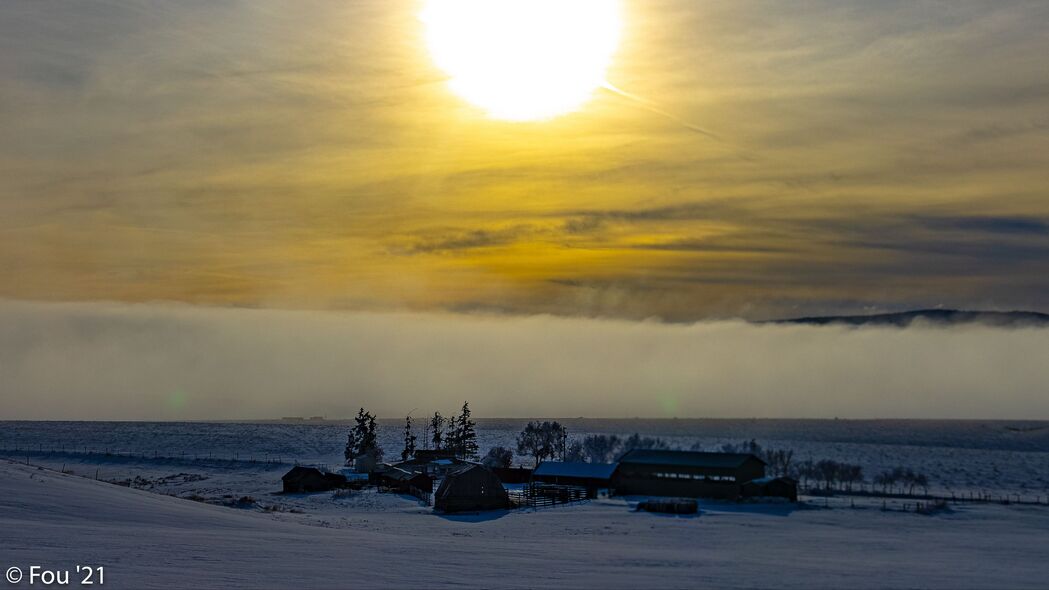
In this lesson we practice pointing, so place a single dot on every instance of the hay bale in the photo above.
(670, 506)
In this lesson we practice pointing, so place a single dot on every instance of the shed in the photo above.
(310, 479)
(474, 487)
(512, 474)
(772, 487)
(592, 476)
(403, 480)
(690, 474)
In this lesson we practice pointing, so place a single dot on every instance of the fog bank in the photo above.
(115, 361)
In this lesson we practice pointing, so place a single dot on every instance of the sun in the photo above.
(523, 60)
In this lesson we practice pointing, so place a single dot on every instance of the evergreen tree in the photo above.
(409, 439)
(356, 436)
(452, 440)
(437, 429)
(467, 435)
(363, 438)
(372, 442)
(351, 447)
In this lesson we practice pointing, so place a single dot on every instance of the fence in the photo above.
(974, 497)
(546, 495)
(421, 494)
(26, 453)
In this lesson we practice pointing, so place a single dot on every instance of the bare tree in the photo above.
(601, 448)
(498, 457)
(540, 440)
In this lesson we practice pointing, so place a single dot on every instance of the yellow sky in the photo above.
(310, 154)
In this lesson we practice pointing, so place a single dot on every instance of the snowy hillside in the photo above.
(150, 540)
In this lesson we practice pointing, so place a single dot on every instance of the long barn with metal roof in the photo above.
(686, 473)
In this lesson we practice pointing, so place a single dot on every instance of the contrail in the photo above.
(652, 107)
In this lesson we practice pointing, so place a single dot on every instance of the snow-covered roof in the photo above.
(769, 479)
(574, 469)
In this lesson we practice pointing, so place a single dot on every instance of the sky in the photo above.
(855, 156)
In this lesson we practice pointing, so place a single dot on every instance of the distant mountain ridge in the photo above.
(942, 317)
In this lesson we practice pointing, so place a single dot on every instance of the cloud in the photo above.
(988, 224)
(259, 153)
(115, 361)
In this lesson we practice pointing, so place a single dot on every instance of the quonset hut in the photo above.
(474, 487)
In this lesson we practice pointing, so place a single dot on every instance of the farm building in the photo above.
(772, 487)
(473, 487)
(404, 481)
(427, 455)
(592, 476)
(433, 462)
(310, 479)
(512, 475)
(686, 473)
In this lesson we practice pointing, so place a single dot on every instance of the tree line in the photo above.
(457, 434)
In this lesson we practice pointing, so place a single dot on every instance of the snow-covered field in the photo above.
(198, 505)
(151, 540)
(991, 457)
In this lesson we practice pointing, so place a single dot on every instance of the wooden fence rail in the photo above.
(546, 495)
(975, 497)
(25, 453)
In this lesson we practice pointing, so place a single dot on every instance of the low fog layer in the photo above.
(114, 361)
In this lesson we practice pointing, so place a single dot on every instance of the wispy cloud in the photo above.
(257, 153)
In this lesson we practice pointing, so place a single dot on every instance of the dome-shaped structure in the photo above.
(472, 488)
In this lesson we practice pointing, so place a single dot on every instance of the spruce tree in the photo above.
(452, 441)
(467, 434)
(364, 437)
(356, 436)
(437, 428)
(409, 439)
(351, 447)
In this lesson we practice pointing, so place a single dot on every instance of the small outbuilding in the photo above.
(772, 487)
(512, 475)
(310, 479)
(404, 481)
(592, 476)
(474, 487)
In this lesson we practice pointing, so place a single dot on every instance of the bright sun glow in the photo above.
(523, 60)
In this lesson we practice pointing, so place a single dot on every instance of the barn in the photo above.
(690, 474)
(310, 479)
(592, 476)
(473, 487)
